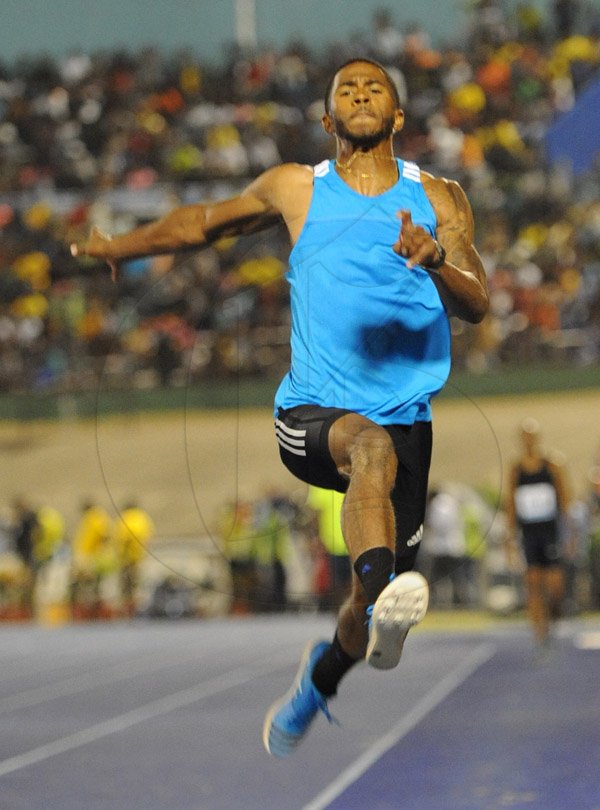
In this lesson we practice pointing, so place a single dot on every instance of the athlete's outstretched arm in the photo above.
(460, 280)
(189, 226)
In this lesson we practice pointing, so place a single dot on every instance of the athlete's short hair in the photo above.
(390, 81)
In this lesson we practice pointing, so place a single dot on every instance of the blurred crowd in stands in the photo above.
(43, 562)
(116, 138)
(276, 552)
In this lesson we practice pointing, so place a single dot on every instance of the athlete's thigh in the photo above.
(303, 437)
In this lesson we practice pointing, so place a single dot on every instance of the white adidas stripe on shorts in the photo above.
(291, 439)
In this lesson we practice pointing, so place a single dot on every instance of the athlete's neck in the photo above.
(369, 171)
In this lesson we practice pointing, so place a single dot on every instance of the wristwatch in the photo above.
(441, 257)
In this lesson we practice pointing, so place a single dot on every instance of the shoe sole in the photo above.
(401, 605)
(272, 711)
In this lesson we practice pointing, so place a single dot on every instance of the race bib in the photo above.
(536, 503)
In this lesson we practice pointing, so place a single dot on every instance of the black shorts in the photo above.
(303, 436)
(541, 545)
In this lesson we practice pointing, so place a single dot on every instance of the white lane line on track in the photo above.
(142, 665)
(445, 687)
(156, 708)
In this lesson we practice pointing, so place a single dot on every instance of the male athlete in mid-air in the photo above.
(382, 255)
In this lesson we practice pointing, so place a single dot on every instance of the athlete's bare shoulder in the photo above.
(557, 461)
(280, 183)
(287, 190)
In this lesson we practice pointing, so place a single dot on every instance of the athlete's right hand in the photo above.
(98, 247)
(414, 243)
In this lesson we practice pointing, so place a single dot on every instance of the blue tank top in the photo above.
(368, 334)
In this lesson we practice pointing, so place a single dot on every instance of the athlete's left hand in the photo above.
(98, 247)
(414, 243)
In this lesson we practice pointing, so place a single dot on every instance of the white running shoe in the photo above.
(401, 605)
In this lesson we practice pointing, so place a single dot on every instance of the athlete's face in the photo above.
(361, 106)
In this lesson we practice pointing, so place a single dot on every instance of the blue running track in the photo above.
(168, 716)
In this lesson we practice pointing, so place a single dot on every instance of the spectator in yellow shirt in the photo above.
(327, 504)
(234, 528)
(50, 535)
(132, 531)
(92, 559)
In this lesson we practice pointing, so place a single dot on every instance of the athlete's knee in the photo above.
(372, 454)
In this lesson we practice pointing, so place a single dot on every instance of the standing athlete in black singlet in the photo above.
(537, 506)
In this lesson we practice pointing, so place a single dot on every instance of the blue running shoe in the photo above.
(289, 718)
(401, 605)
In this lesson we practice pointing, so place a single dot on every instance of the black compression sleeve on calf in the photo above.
(331, 668)
(374, 568)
